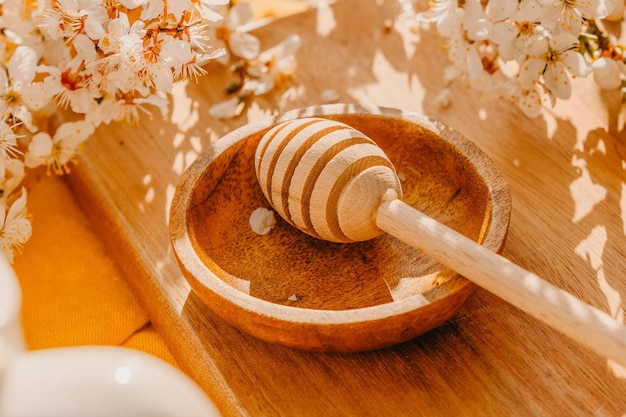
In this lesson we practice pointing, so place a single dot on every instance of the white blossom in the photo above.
(527, 51)
(513, 38)
(8, 143)
(12, 177)
(554, 60)
(126, 109)
(15, 83)
(232, 35)
(15, 227)
(69, 85)
(110, 61)
(58, 151)
(68, 18)
(568, 15)
(274, 65)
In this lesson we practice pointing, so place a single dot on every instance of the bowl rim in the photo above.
(494, 238)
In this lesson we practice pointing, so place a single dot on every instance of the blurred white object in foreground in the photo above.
(85, 381)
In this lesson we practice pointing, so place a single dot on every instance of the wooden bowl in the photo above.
(295, 290)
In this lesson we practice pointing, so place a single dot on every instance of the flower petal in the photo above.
(40, 145)
(563, 41)
(557, 81)
(18, 209)
(23, 64)
(576, 64)
(226, 109)
(528, 11)
(479, 30)
(244, 45)
(530, 71)
(498, 10)
(85, 48)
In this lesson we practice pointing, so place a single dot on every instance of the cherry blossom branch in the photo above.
(108, 61)
(548, 42)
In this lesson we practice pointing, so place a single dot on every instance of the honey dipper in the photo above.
(333, 182)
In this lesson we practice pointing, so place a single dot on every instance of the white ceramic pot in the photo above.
(86, 381)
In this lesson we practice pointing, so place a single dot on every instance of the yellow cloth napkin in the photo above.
(73, 293)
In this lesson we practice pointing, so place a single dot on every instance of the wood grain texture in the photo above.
(566, 171)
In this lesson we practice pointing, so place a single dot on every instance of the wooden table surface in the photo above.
(567, 176)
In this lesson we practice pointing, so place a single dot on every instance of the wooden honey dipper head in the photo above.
(325, 178)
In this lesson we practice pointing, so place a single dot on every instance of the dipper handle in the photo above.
(557, 308)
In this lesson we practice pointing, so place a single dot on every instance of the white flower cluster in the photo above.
(542, 44)
(104, 61)
(257, 72)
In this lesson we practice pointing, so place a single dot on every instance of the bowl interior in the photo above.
(288, 267)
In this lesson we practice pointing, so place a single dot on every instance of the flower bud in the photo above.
(606, 73)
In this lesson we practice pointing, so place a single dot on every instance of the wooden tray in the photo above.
(566, 174)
